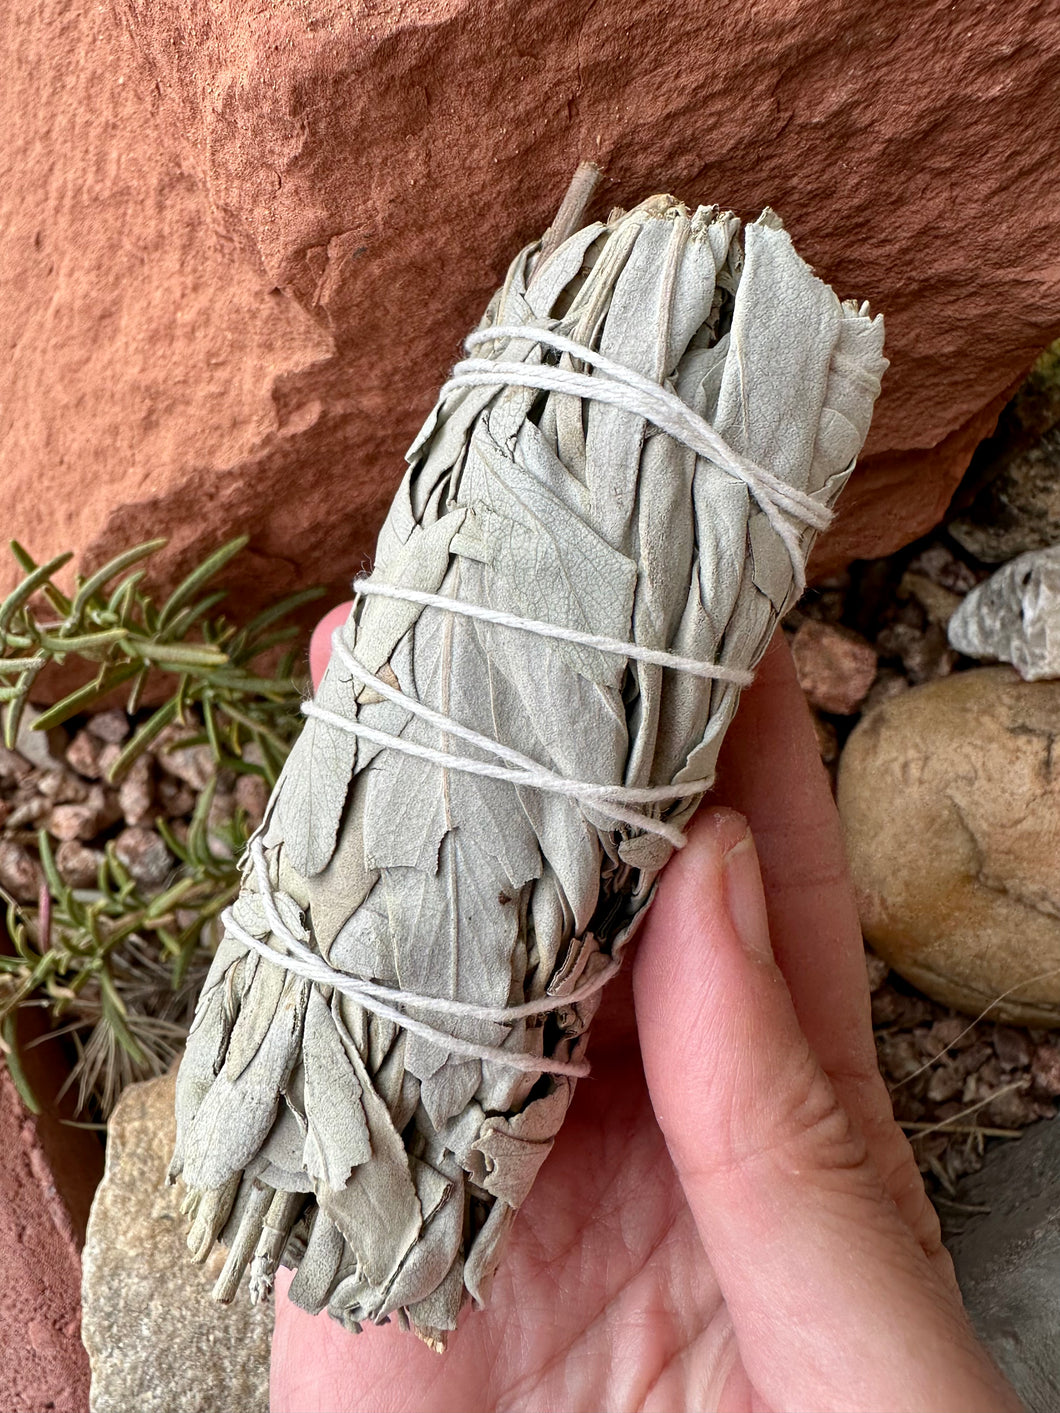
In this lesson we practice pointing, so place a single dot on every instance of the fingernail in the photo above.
(745, 899)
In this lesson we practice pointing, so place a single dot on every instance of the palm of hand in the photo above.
(792, 1171)
(604, 1297)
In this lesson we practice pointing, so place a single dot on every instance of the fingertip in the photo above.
(693, 871)
(320, 642)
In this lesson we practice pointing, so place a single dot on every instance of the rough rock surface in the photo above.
(835, 667)
(47, 1173)
(950, 801)
(43, 1367)
(1007, 1261)
(156, 1340)
(1015, 616)
(241, 245)
(1012, 499)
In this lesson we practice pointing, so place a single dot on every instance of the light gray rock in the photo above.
(1015, 616)
(111, 726)
(155, 1339)
(1008, 1262)
(44, 749)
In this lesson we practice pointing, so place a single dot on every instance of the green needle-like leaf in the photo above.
(197, 578)
(112, 960)
(92, 585)
(29, 586)
(152, 727)
(84, 696)
(9, 1037)
(117, 1017)
(178, 655)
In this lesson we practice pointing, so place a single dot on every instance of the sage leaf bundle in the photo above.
(602, 520)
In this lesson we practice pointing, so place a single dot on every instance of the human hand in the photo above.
(730, 1218)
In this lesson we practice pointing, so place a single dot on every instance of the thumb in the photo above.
(833, 1300)
(320, 642)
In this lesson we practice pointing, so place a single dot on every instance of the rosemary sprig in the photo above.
(117, 965)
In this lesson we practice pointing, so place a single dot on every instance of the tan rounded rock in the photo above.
(950, 801)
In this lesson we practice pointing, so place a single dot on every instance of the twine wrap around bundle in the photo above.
(603, 519)
(621, 387)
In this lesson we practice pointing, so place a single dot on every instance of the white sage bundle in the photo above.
(603, 518)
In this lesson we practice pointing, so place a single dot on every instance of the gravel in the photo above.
(959, 1086)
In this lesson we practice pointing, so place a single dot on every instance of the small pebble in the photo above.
(1045, 1068)
(898, 1054)
(194, 765)
(110, 726)
(108, 756)
(145, 855)
(81, 821)
(1014, 1109)
(986, 1079)
(835, 666)
(892, 1007)
(1013, 1047)
(20, 873)
(877, 969)
(176, 799)
(945, 1082)
(888, 685)
(949, 1030)
(925, 653)
(252, 795)
(939, 564)
(44, 749)
(28, 812)
(78, 865)
(62, 787)
(13, 767)
(83, 754)
(976, 1055)
(938, 603)
(136, 793)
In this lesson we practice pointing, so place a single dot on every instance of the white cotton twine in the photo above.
(789, 512)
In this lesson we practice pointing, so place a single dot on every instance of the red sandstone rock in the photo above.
(48, 1173)
(243, 242)
(44, 1365)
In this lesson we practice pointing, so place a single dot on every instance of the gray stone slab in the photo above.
(1008, 1262)
(156, 1341)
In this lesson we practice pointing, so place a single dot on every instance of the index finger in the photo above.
(770, 770)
